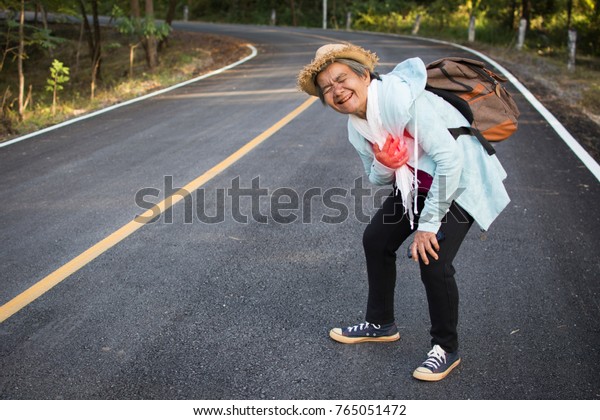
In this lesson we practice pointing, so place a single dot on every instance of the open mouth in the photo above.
(344, 99)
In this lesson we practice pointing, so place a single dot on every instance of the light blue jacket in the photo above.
(462, 170)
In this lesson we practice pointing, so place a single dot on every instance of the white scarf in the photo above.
(372, 130)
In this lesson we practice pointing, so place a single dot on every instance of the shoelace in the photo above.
(362, 326)
(435, 357)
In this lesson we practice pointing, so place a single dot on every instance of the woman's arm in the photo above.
(378, 173)
(437, 142)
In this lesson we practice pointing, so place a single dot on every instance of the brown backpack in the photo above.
(478, 94)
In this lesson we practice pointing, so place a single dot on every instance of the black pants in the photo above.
(387, 230)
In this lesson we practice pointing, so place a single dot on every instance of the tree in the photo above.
(150, 43)
(8, 48)
(16, 45)
(94, 41)
(129, 26)
(59, 74)
(513, 11)
(20, 58)
(525, 12)
(442, 9)
(147, 30)
(293, 11)
(171, 12)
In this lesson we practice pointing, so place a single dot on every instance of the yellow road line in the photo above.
(48, 282)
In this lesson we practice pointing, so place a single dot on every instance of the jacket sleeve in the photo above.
(437, 142)
(405, 104)
(378, 173)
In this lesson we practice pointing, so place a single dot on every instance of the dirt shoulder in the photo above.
(581, 124)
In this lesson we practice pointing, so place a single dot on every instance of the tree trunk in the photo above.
(171, 12)
(333, 18)
(94, 78)
(28, 97)
(97, 59)
(132, 48)
(86, 26)
(151, 44)
(135, 9)
(135, 14)
(513, 11)
(93, 39)
(525, 12)
(6, 121)
(78, 52)
(6, 48)
(293, 10)
(569, 13)
(168, 20)
(54, 99)
(20, 61)
(44, 14)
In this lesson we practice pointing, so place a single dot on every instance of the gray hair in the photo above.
(355, 66)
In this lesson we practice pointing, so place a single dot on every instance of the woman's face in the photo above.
(344, 90)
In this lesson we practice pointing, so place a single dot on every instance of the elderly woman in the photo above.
(441, 186)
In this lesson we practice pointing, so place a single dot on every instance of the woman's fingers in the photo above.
(428, 251)
(401, 152)
(400, 156)
(425, 245)
(387, 146)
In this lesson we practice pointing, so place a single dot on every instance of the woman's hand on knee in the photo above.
(424, 243)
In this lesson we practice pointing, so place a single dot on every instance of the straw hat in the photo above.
(325, 56)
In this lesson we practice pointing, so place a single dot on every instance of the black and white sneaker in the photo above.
(438, 365)
(364, 332)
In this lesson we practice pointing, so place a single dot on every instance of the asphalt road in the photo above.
(224, 308)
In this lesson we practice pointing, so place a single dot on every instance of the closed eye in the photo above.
(339, 80)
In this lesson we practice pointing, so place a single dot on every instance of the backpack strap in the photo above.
(465, 110)
(454, 100)
(459, 131)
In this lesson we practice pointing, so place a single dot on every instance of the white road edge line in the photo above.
(560, 129)
(253, 54)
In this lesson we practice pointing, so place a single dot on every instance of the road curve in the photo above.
(231, 292)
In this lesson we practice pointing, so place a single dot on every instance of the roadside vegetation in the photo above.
(55, 64)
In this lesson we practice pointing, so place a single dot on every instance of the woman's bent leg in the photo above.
(440, 285)
(383, 236)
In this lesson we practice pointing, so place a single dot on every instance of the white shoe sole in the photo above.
(336, 334)
(424, 374)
